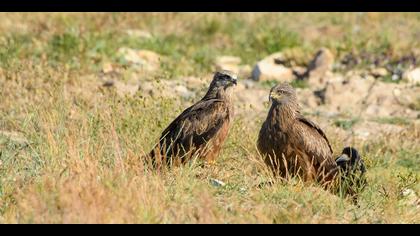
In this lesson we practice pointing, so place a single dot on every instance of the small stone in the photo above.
(397, 92)
(107, 67)
(379, 72)
(408, 193)
(217, 183)
(395, 77)
(410, 197)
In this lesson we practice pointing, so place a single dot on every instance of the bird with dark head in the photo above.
(350, 161)
(200, 130)
(351, 169)
(294, 145)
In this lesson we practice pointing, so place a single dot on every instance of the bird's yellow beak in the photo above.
(275, 96)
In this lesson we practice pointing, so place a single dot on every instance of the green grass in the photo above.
(346, 124)
(392, 120)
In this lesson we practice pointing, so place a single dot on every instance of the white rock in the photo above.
(217, 183)
(379, 72)
(146, 59)
(413, 76)
(183, 91)
(267, 69)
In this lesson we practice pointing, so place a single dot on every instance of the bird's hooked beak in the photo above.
(234, 81)
(342, 159)
(274, 96)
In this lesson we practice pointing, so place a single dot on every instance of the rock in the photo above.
(320, 65)
(412, 76)
(268, 69)
(217, 183)
(410, 197)
(307, 98)
(107, 67)
(193, 82)
(379, 72)
(183, 92)
(139, 33)
(299, 70)
(145, 59)
(126, 89)
(251, 102)
(15, 137)
(367, 97)
(228, 63)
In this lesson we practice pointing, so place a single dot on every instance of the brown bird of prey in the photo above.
(200, 130)
(293, 145)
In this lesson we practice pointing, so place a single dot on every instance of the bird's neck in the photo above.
(222, 94)
(225, 95)
(282, 115)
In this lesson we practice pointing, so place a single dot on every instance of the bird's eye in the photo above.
(284, 91)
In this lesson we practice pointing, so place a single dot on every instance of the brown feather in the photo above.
(200, 130)
(291, 143)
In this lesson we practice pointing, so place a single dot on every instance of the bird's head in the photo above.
(282, 94)
(222, 84)
(224, 79)
(350, 158)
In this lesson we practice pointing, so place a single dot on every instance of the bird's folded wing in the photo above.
(199, 123)
(313, 141)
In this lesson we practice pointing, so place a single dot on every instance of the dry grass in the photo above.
(81, 160)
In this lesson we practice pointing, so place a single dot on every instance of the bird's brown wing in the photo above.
(311, 140)
(196, 126)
